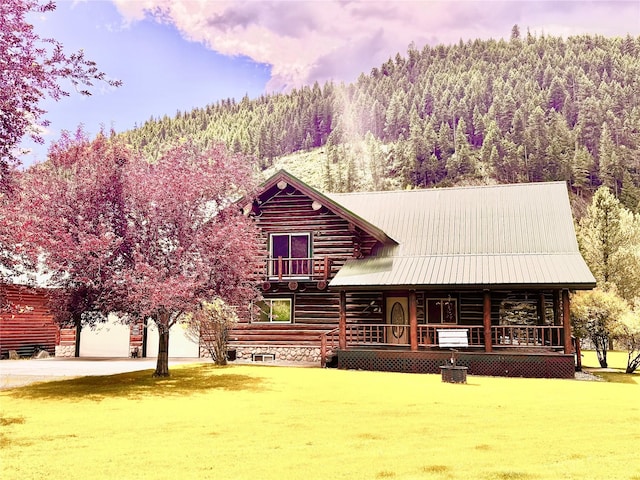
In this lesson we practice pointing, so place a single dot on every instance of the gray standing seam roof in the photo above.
(519, 234)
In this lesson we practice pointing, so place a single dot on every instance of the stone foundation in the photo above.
(289, 354)
(65, 350)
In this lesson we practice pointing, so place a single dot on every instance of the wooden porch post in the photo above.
(541, 309)
(342, 327)
(323, 350)
(486, 320)
(413, 320)
(556, 307)
(566, 321)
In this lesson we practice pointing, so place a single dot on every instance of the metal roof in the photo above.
(507, 235)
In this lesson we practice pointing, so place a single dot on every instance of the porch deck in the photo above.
(513, 363)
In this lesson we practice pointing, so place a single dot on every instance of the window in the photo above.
(273, 310)
(294, 250)
(442, 310)
(263, 357)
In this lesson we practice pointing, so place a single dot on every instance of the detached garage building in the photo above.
(115, 339)
(28, 326)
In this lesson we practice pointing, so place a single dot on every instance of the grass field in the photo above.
(617, 364)
(253, 422)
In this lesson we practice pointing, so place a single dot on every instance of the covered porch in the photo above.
(494, 340)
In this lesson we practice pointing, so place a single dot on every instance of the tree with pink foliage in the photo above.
(145, 240)
(72, 211)
(188, 241)
(32, 68)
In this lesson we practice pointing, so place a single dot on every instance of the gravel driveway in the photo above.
(16, 373)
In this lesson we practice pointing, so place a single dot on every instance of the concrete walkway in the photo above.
(17, 373)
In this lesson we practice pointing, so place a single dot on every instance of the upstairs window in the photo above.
(295, 251)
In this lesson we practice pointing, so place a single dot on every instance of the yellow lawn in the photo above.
(615, 359)
(264, 423)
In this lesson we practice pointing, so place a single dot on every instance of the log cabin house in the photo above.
(372, 280)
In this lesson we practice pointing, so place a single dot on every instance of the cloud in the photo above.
(318, 40)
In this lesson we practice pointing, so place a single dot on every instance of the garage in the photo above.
(180, 344)
(108, 339)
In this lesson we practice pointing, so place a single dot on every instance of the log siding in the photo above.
(315, 309)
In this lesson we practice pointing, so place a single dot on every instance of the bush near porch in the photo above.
(260, 422)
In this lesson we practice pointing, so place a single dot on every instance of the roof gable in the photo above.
(282, 179)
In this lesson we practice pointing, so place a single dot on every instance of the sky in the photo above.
(181, 54)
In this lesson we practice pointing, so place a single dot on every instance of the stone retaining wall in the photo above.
(290, 354)
(65, 350)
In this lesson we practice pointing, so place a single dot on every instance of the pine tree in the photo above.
(609, 238)
(630, 194)
(609, 162)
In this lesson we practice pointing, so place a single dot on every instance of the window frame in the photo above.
(270, 300)
(272, 266)
(442, 316)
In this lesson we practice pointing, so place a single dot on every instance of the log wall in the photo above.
(290, 211)
(315, 309)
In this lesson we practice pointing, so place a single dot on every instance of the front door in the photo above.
(398, 320)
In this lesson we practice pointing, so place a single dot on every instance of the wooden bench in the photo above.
(453, 338)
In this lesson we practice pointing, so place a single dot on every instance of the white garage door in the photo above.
(109, 339)
(180, 345)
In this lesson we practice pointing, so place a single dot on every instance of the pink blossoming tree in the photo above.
(31, 68)
(146, 240)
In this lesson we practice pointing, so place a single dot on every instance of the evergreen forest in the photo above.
(529, 109)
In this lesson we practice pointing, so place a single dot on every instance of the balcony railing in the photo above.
(280, 268)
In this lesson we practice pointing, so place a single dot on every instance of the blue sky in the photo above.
(180, 54)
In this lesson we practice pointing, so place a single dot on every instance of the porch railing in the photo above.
(317, 268)
(369, 334)
(428, 336)
(361, 334)
(527, 336)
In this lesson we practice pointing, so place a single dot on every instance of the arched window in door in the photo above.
(398, 320)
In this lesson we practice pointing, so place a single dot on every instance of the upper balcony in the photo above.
(299, 269)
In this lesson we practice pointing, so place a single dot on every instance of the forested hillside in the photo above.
(533, 108)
